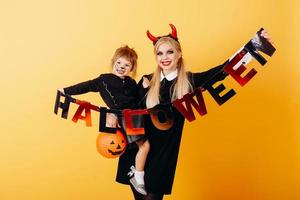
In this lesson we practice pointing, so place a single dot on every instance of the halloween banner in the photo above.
(161, 115)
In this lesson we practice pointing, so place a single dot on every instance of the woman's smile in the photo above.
(166, 63)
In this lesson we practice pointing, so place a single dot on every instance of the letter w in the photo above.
(186, 110)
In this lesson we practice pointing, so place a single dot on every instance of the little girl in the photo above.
(118, 90)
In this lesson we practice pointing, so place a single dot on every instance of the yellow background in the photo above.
(247, 149)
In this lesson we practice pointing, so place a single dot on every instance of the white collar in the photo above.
(170, 76)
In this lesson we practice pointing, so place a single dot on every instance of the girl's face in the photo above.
(167, 57)
(122, 67)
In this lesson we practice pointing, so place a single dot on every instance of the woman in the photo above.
(170, 81)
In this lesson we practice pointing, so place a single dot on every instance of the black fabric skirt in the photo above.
(137, 122)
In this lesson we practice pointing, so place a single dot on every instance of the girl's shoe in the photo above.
(140, 188)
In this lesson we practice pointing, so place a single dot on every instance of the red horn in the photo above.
(174, 31)
(151, 37)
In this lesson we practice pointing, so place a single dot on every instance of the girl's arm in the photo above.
(84, 87)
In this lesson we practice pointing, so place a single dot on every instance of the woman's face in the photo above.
(167, 57)
(122, 67)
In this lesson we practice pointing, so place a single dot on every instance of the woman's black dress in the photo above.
(164, 144)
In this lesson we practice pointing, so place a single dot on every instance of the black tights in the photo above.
(150, 196)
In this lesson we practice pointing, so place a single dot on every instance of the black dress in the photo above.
(164, 144)
(116, 92)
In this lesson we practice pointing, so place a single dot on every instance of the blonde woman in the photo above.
(170, 81)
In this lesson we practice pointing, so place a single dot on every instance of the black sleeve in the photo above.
(84, 87)
(199, 79)
(141, 91)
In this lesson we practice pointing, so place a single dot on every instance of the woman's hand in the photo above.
(146, 82)
(266, 35)
(112, 121)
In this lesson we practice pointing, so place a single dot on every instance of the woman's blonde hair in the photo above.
(129, 54)
(182, 85)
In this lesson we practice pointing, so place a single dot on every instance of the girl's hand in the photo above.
(61, 90)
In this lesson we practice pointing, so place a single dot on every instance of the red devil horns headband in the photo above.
(172, 35)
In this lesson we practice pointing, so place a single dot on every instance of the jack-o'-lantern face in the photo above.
(111, 145)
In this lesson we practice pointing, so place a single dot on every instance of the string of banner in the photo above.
(234, 67)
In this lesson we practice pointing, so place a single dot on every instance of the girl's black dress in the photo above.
(116, 92)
